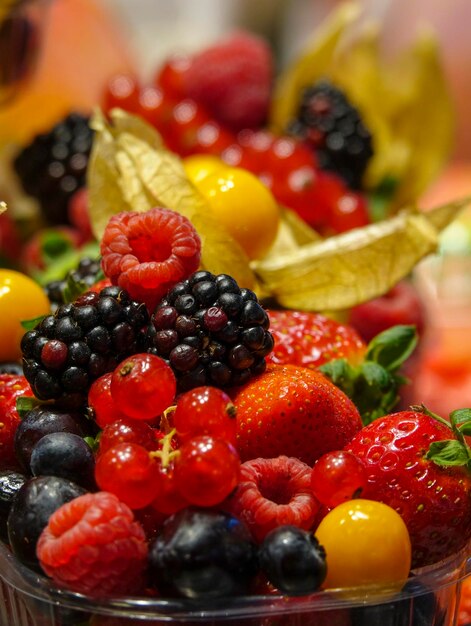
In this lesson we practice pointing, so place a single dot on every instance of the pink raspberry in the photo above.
(273, 492)
(233, 80)
(94, 546)
(148, 253)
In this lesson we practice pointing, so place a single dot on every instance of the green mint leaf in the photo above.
(447, 453)
(392, 347)
(32, 323)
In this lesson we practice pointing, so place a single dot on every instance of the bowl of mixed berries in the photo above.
(182, 439)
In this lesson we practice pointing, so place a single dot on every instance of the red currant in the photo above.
(171, 77)
(345, 209)
(54, 354)
(205, 411)
(130, 472)
(122, 91)
(143, 386)
(207, 470)
(100, 401)
(336, 477)
(127, 430)
(168, 500)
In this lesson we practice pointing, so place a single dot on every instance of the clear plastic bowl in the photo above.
(429, 598)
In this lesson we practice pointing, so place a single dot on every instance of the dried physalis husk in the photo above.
(130, 170)
(353, 267)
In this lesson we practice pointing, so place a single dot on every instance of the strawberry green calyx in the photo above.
(373, 385)
(451, 452)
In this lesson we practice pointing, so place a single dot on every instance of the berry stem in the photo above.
(166, 454)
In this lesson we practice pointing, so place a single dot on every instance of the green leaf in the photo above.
(93, 442)
(375, 375)
(54, 244)
(392, 347)
(25, 404)
(447, 453)
(460, 417)
(32, 323)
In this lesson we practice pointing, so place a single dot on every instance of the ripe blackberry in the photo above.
(333, 128)
(53, 166)
(211, 332)
(67, 351)
(87, 271)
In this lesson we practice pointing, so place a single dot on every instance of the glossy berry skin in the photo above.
(95, 537)
(122, 91)
(205, 411)
(65, 455)
(207, 470)
(129, 472)
(12, 386)
(432, 500)
(202, 554)
(336, 477)
(366, 543)
(143, 386)
(127, 430)
(293, 560)
(101, 405)
(32, 507)
(10, 483)
(310, 418)
(312, 339)
(272, 493)
(168, 499)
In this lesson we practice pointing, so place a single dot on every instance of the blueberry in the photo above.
(292, 560)
(65, 455)
(203, 553)
(32, 507)
(10, 483)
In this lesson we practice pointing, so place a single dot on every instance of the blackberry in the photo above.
(333, 128)
(83, 340)
(210, 331)
(53, 166)
(87, 271)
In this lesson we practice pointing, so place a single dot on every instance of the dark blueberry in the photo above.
(67, 330)
(86, 316)
(214, 319)
(202, 275)
(227, 284)
(42, 421)
(203, 554)
(32, 507)
(293, 560)
(252, 314)
(231, 303)
(205, 292)
(111, 312)
(228, 334)
(165, 341)
(185, 326)
(46, 386)
(219, 373)
(240, 357)
(10, 483)
(98, 340)
(180, 289)
(48, 326)
(186, 304)
(74, 379)
(64, 455)
(253, 338)
(27, 342)
(183, 358)
(79, 353)
(123, 337)
(165, 317)
(11, 367)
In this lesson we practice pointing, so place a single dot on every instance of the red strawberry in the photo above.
(293, 411)
(11, 387)
(232, 79)
(312, 339)
(416, 466)
(274, 492)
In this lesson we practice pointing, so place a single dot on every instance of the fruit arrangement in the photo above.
(183, 428)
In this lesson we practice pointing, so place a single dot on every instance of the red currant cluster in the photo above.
(286, 165)
(154, 453)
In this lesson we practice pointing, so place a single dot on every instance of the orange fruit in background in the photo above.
(21, 299)
(82, 48)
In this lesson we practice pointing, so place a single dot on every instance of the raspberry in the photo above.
(232, 79)
(211, 331)
(333, 128)
(94, 546)
(148, 253)
(272, 493)
(54, 165)
(11, 387)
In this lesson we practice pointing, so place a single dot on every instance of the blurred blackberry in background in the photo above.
(334, 130)
(67, 351)
(53, 166)
(211, 331)
(88, 271)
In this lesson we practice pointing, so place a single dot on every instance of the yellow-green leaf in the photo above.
(353, 267)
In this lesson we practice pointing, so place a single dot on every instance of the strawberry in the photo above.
(419, 464)
(312, 339)
(11, 387)
(293, 411)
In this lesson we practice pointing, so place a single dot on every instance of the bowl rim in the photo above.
(441, 575)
